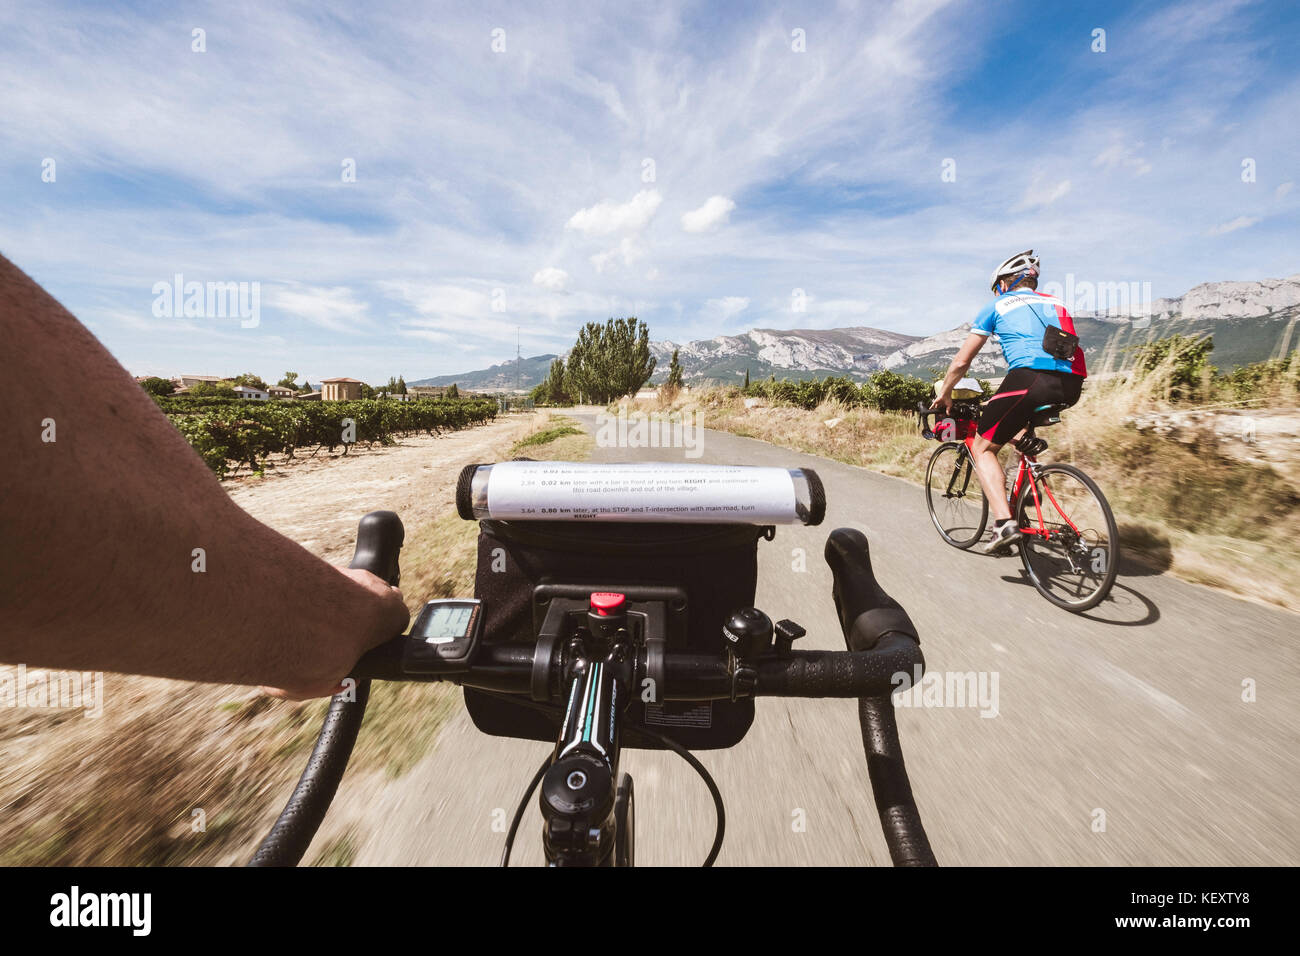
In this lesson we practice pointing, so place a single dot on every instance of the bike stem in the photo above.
(577, 792)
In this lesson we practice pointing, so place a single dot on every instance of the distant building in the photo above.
(426, 391)
(279, 391)
(250, 393)
(309, 396)
(187, 380)
(340, 389)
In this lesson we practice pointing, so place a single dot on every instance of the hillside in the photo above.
(498, 378)
(1250, 322)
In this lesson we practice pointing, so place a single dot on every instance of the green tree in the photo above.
(453, 391)
(891, 392)
(250, 380)
(401, 385)
(158, 386)
(610, 360)
(746, 385)
(554, 389)
(304, 388)
(224, 389)
(290, 380)
(367, 391)
(674, 372)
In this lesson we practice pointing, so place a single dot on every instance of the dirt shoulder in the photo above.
(317, 501)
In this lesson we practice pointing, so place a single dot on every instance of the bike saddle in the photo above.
(1047, 414)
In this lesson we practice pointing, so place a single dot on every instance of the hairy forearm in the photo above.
(119, 550)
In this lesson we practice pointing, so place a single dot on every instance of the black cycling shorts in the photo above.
(1023, 392)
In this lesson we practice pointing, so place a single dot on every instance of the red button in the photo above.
(607, 602)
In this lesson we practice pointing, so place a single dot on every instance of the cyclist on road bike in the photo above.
(1019, 317)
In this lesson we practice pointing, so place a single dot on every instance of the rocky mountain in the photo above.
(1250, 321)
(797, 353)
(1231, 300)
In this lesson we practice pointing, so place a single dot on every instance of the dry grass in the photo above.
(555, 438)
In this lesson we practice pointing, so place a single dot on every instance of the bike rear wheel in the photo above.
(954, 497)
(1069, 544)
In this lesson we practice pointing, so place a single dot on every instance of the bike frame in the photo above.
(1024, 472)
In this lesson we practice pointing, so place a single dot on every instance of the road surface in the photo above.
(1116, 737)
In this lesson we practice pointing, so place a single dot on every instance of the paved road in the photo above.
(1120, 737)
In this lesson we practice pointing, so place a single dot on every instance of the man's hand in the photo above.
(944, 404)
(389, 619)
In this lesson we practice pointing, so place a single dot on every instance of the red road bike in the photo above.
(1069, 542)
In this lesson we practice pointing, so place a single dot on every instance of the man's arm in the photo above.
(960, 365)
(98, 529)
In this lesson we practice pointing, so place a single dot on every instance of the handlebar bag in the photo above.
(716, 566)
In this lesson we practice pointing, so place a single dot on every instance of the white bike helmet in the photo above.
(1022, 263)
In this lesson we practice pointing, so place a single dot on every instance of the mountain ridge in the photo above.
(1250, 320)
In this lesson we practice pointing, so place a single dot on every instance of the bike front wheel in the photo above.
(625, 823)
(954, 497)
(1069, 543)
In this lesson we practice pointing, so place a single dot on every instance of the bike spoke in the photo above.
(954, 496)
(1071, 562)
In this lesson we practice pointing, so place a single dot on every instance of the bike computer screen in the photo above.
(447, 622)
(444, 635)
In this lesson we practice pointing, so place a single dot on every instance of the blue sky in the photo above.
(509, 189)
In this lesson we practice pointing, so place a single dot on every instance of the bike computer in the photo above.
(444, 636)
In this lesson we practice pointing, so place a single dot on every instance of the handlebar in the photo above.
(379, 542)
(881, 641)
(508, 669)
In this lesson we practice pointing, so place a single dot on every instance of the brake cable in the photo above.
(519, 810)
(669, 744)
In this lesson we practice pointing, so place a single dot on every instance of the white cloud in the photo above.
(713, 213)
(1121, 155)
(629, 250)
(1283, 189)
(1241, 222)
(608, 216)
(1035, 197)
(726, 307)
(551, 278)
(337, 308)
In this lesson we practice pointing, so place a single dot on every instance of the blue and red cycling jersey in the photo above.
(1019, 318)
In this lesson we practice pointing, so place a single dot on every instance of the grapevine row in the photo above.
(228, 434)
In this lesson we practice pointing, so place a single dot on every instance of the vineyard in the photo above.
(229, 433)
(884, 391)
